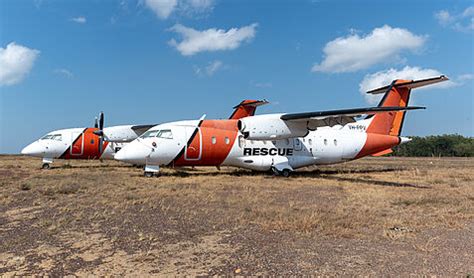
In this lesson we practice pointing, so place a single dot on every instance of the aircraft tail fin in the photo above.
(396, 94)
(246, 108)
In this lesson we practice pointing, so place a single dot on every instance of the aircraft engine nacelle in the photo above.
(121, 133)
(271, 127)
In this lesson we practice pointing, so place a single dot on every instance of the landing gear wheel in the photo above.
(45, 166)
(285, 173)
(149, 174)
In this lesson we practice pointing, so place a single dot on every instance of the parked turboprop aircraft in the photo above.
(99, 142)
(281, 142)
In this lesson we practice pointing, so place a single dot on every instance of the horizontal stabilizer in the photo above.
(410, 84)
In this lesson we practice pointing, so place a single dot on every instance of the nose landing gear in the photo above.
(46, 163)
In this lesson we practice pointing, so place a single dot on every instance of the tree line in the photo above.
(438, 145)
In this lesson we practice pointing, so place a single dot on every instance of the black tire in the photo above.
(148, 174)
(285, 173)
(45, 166)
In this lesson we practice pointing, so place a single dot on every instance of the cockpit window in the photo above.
(57, 137)
(150, 133)
(48, 136)
(165, 133)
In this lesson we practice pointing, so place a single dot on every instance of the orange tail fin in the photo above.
(396, 94)
(246, 108)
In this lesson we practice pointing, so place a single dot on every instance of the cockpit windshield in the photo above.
(164, 133)
(57, 137)
(150, 133)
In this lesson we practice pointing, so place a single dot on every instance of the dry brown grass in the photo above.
(91, 215)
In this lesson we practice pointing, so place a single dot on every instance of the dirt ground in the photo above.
(376, 216)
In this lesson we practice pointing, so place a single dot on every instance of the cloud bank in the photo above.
(354, 52)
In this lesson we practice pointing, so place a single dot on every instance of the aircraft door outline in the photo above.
(74, 149)
(193, 152)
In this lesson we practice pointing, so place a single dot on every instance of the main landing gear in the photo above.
(284, 172)
(151, 171)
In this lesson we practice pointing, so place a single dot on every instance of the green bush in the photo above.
(439, 145)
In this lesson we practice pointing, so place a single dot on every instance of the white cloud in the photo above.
(195, 41)
(196, 6)
(79, 19)
(64, 72)
(463, 21)
(210, 69)
(465, 77)
(353, 52)
(444, 17)
(264, 85)
(16, 62)
(164, 8)
(383, 78)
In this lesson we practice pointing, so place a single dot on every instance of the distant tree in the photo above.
(439, 145)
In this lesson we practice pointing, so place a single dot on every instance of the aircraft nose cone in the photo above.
(33, 149)
(134, 153)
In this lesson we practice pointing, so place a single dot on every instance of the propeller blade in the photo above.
(101, 121)
(101, 143)
(100, 132)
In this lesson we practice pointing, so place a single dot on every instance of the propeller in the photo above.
(100, 132)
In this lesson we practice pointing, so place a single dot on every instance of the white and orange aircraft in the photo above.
(279, 142)
(98, 142)
(83, 143)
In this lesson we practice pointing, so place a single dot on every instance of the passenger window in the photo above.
(310, 141)
(326, 142)
(287, 141)
(335, 142)
(227, 141)
(213, 140)
(165, 133)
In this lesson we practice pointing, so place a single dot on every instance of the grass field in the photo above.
(377, 216)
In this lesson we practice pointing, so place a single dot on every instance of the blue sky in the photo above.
(152, 61)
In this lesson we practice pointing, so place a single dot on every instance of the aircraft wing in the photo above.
(340, 117)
